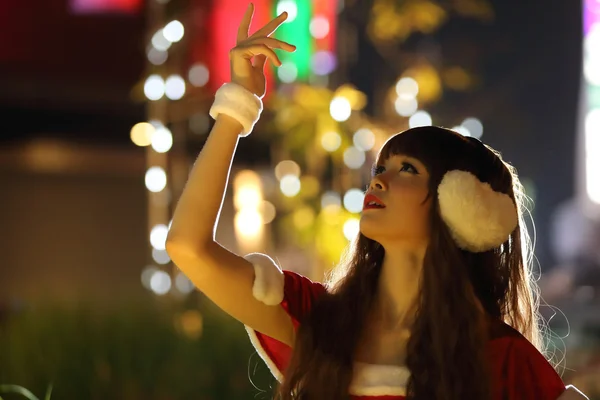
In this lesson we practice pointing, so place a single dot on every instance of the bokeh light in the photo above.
(154, 87)
(364, 139)
(141, 134)
(175, 87)
(155, 179)
(289, 185)
(340, 109)
(353, 200)
(420, 118)
(331, 141)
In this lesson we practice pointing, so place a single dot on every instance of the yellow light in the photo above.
(303, 217)
(268, 212)
(141, 134)
(248, 222)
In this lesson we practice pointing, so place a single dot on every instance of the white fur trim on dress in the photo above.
(572, 393)
(239, 103)
(479, 218)
(378, 380)
(269, 280)
(263, 354)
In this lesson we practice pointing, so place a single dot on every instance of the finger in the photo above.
(274, 43)
(245, 24)
(260, 49)
(259, 61)
(271, 26)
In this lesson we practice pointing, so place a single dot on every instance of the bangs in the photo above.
(439, 149)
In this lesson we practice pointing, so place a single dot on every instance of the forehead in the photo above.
(437, 149)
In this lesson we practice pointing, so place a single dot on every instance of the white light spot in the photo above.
(183, 284)
(155, 179)
(198, 75)
(592, 154)
(147, 274)
(289, 185)
(160, 42)
(289, 6)
(353, 200)
(160, 256)
(331, 141)
(162, 140)
(154, 87)
(406, 106)
(407, 88)
(158, 236)
(340, 109)
(157, 57)
(353, 157)
(351, 228)
(420, 118)
(462, 130)
(175, 87)
(160, 283)
(474, 126)
(173, 31)
(319, 27)
(364, 139)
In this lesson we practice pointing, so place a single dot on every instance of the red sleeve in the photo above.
(521, 372)
(299, 294)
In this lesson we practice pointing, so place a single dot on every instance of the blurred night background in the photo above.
(104, 108)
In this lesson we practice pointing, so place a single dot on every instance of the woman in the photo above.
(434, 300)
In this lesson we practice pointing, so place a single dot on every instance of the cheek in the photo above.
(409, 201)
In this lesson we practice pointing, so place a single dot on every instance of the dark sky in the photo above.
(72, 76)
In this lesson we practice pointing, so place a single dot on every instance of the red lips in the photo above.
(372, 198)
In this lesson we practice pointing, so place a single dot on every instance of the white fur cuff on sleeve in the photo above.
(239, 103)
(269, 280)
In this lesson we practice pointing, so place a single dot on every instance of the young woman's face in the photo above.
(401, 183)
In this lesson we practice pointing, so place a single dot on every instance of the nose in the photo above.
(377, 182)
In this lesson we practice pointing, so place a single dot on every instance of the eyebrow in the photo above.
(411, 160)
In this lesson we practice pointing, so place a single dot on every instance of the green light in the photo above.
(297, 32)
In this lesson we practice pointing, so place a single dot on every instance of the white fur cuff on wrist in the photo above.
(269, 280)
(239, 103)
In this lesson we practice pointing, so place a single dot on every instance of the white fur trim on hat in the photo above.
(269, 280)
(239, 103)
(479, 218)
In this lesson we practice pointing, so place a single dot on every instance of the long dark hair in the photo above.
(446, 350)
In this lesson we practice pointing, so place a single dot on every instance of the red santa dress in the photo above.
(519, 370)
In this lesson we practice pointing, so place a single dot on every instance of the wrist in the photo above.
(239, 103)
(229, 123)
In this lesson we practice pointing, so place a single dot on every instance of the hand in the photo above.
(249, 56)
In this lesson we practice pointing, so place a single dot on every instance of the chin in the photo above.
(367, 230)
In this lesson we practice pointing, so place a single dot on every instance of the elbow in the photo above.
(177, 248)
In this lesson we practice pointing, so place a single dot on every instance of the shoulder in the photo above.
(300, 294)
(273, 286)
(519, 370)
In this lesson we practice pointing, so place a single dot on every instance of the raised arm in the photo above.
(224, 277)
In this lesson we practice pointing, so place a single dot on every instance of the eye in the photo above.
(408, 167)
(377, 169)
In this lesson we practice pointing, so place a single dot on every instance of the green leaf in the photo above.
(19, 390)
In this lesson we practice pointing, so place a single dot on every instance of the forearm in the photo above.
(196, 215)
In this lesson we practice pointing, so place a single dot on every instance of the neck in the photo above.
(398, 287)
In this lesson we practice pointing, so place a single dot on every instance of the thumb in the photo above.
(259, 61)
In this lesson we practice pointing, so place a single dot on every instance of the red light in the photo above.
(105, 6)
